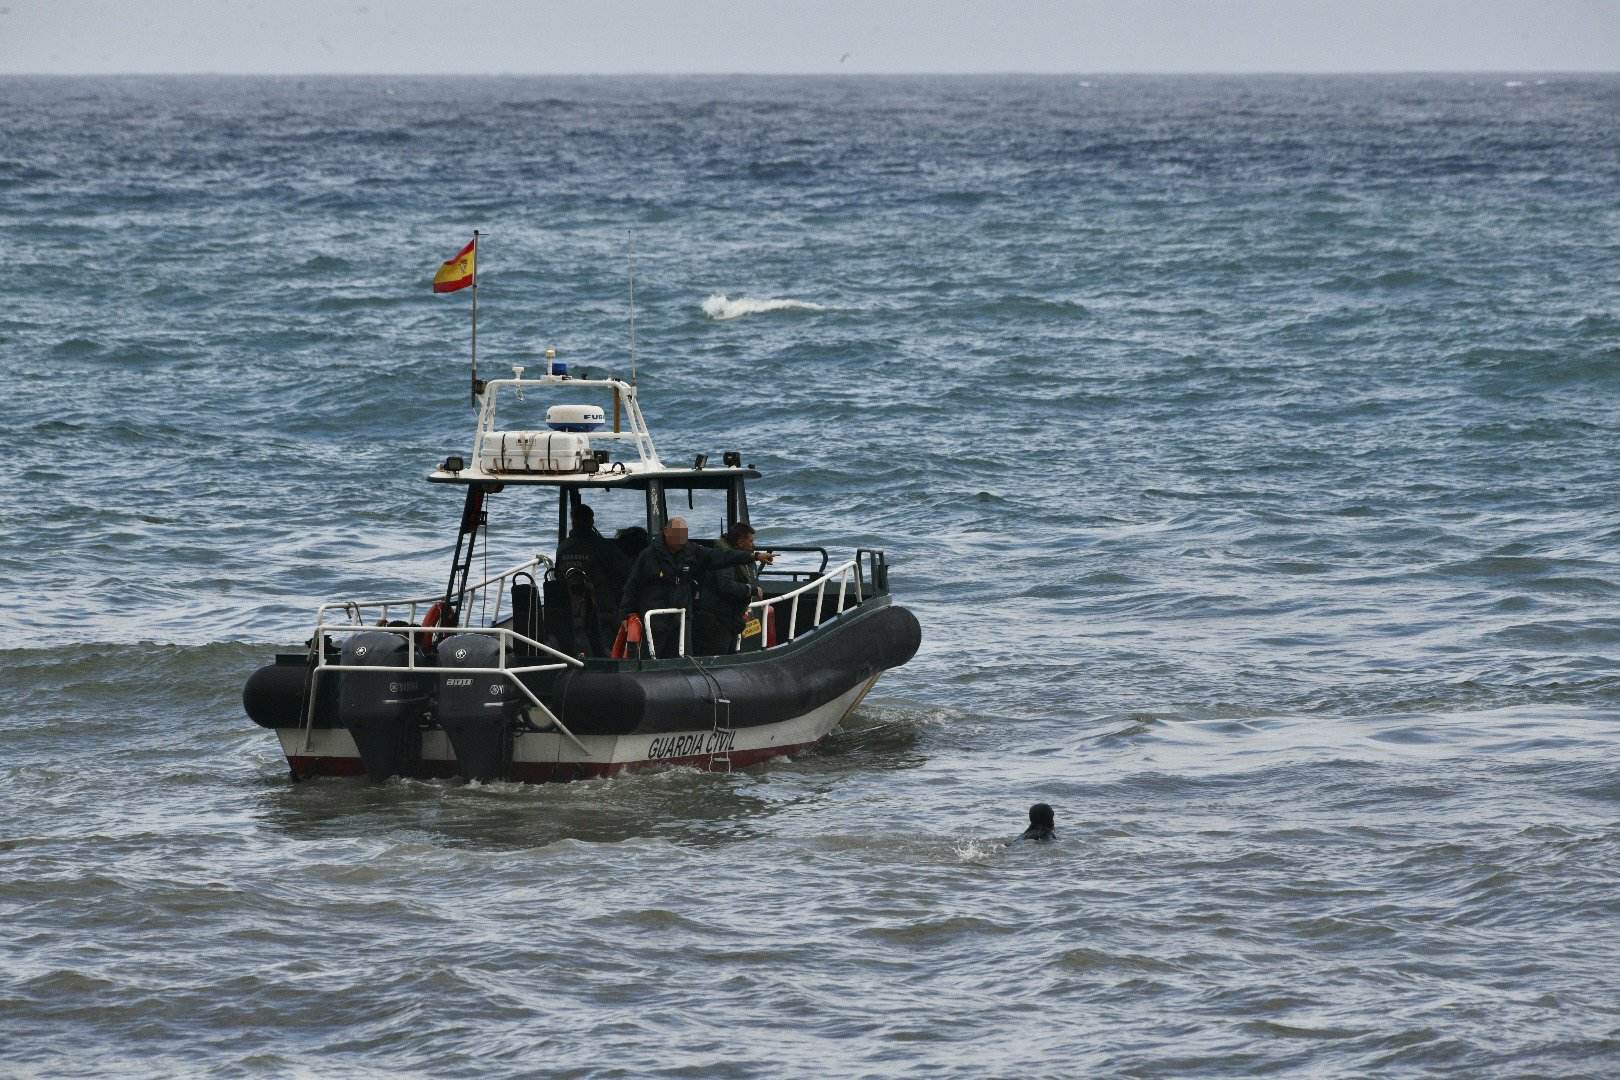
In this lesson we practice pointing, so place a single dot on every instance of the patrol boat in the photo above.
(498, 678)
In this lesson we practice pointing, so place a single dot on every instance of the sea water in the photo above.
(1246, 448)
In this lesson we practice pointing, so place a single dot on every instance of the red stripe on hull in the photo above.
(535, 772)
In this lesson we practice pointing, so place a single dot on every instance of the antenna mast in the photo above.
(630, 237)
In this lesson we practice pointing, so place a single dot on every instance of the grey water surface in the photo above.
(1245, 446)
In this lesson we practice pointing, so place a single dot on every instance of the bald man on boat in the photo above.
(663, 575)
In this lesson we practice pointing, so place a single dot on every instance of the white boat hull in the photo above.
(550, 755)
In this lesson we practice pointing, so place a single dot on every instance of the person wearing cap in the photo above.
(663, 576)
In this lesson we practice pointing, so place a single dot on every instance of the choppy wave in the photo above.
(1246, 448)
(720, 307)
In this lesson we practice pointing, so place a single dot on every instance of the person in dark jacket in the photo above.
(722, 602)
(662, 577)
(604, 568)
(1041, 823)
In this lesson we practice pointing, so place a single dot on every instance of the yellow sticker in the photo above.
(751, 628)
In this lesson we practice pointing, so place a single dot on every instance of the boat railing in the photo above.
(796, 576)
(847, 574)
(372, 614)
(415, 637)
(634, 431)
(665, 612)
(876, 565)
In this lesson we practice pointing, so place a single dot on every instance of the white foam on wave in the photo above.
(720, 307)
(974, 850)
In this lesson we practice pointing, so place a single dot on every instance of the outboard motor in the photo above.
(382, 709)
(479, 713)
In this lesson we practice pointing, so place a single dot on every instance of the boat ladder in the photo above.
(722, 725)
(720, 757)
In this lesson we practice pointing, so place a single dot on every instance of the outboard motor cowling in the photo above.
(382, 709)
(479, 713)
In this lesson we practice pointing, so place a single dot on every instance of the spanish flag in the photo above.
(459, 272)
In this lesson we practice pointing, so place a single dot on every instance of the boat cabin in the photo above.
(600, 454)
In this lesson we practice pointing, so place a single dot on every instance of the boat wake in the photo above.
(720, 307)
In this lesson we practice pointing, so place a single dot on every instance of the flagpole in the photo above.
(475, 321)
(630, 238)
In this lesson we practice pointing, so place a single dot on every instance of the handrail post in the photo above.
(315, 676)
(647, 624)
(537, 703)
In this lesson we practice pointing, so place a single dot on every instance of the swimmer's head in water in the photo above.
(1040, 823)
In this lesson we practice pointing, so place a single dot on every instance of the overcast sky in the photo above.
(772, 36)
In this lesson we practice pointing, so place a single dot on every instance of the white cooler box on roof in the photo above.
(536, 452)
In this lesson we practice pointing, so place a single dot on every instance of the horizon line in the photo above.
(1167, 72)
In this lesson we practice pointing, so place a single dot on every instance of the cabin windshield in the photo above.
(704, 511)
(631, 515)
